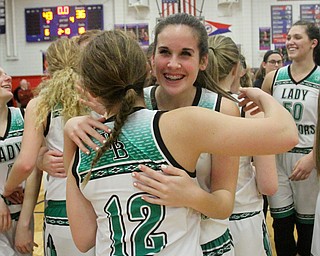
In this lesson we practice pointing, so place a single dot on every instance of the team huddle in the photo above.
(171, 158)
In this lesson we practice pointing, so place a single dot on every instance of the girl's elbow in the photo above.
(291, 140)
(294, 138)
(83, 248)
(268, 189)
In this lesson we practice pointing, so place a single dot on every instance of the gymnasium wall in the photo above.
(22, 59)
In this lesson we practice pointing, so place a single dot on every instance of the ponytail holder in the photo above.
(212, 49)
(129, 87)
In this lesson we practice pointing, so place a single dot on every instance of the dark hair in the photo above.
(113, 67)
(270, 52)
(190, 21)
(261, 72)
(203, 79)
(313, 32)
(245, 80)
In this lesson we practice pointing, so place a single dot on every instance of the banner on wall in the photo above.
(281, 22)
(140, 32)
(2, 17)
(215, 28)
(311, 13)
(264, 39)
(283, 51)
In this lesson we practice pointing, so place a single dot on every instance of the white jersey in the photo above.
(247, 222)
(57, 234)
(10, 145)
(128, 225)
(55, 187)
(248, 198)
(211, 229)
(301, 100)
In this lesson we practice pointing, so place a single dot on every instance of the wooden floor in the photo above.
(38, 223)
(38, 215)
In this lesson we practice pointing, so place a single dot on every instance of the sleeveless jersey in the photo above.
(10, 145)
(203, 98)
(248, 198)
(210, 228)
(300, 99)
(128, 225)
(57, 234)
(55, 187)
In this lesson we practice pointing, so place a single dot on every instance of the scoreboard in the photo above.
(50, 23)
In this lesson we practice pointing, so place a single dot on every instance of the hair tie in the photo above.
(212, 49)
(129, 87)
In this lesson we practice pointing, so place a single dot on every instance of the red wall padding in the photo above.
(33, 80)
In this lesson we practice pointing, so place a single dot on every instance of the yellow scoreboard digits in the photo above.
(81, 30)
(50, 23)
(46, 32)
(48, 16)
(80, 14)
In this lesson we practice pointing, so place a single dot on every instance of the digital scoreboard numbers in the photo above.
(50, 23)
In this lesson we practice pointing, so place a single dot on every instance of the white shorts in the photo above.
(291, 195)
(250, 234)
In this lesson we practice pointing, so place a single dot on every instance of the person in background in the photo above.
(247, 222)
(272, 60)
(104, 204)
(45, 117)
(151, 79)
(296, 87)
(315, 247)
(13, 224)
(51, 161)
(23, 94)
(245, 73)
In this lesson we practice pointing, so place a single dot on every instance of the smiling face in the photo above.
(299, 45)
(5, 86)
(176, 61)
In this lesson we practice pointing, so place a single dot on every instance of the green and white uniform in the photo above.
(10, 145)
(215, 238)
(128, 225)
(247, 223)
(57, 234)
(300, 99)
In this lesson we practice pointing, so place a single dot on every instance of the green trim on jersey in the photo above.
(283, 212)
(56, 213)
(125, 152)
(219, 246)
(243, 215)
